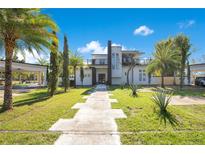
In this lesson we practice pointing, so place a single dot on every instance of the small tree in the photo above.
(65, 65)
(81, 75)
(183, 45)
(53, 77)
(132, 64)
(134, 88)
(75, 60)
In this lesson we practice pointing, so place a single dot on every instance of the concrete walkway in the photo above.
(187, 100)
(94, 123)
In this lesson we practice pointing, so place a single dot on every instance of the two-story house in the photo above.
(114, 68)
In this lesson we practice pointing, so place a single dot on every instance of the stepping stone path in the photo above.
(94, 123)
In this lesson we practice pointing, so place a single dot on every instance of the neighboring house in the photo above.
(112, 68)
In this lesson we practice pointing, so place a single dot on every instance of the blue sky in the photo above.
(89, 29)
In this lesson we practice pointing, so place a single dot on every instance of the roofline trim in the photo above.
(28, 63)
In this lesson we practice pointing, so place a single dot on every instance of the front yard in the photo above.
(143, 126)
(35, 111)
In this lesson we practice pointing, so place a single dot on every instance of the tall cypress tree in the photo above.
(54, 70)
(65, 65)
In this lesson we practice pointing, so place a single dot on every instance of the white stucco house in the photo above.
(112, 68)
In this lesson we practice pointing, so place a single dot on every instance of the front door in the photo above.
(101, 78)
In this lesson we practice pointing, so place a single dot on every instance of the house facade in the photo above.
(114, 68)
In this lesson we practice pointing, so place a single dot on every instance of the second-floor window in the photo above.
(113, 61)
(101, 61)
(117, 61)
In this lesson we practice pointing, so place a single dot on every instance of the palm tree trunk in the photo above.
(8, 104)
(162, 80)
(181, 77)
(74, 69)
(174, 81)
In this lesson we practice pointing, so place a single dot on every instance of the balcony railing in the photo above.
(125, 61)
(128, 61)
(97, 61)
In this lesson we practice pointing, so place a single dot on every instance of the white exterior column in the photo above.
(44, 78)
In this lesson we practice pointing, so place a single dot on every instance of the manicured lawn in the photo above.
(36, 111)
(28, 138)
(142, 119)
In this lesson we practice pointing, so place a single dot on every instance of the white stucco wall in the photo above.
(87, 81)
(135, 78)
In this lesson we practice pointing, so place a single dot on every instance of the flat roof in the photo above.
(27, 63)
(197, 64)
(99, 54)
(132, 51)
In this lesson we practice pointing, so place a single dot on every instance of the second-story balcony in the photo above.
(137, 61)
(97, 61)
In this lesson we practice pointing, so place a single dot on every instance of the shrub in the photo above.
(162, 99)
(134, 88)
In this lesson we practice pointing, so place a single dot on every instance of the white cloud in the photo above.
(186, 24)
(93, 46)
(31, 58)
(143, 30)
(97, 48)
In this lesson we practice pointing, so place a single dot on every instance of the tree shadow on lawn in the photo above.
(88, 92)
(33, 98)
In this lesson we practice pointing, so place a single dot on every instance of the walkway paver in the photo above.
(94, 123)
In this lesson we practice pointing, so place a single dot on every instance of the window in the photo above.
(113, 61)
(117, 61)
(102, 61)
(142, 75)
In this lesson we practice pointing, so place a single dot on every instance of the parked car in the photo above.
(200, 81)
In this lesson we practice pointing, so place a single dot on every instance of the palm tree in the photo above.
(183, 45)
(43, 61)
(75, 60)
(164, 60)
(24, 29)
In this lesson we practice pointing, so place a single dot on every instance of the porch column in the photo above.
(39, 77)
(45, 78)
(109, 59)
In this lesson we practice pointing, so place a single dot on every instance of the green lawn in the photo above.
(28, 138)
(143, 122)
(36, 111)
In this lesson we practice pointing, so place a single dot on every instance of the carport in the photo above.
(40, 71)
(197, 70)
